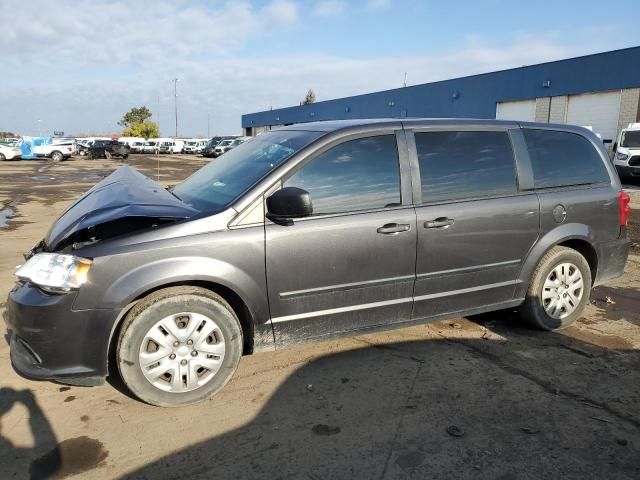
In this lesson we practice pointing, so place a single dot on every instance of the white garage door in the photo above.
(597, 110)
(524, 110)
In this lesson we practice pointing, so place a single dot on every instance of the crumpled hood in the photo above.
(126, 193)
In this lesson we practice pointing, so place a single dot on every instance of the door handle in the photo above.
(440, 222)
(393, 228)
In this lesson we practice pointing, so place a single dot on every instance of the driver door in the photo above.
(351, 264)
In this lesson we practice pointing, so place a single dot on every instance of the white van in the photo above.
(169, 145)
(626, 152)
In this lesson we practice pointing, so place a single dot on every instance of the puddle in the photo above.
(43, 169)
(5, 215)
(41, 178)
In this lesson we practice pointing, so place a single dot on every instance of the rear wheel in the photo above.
(559, 290)
(179, 346)
(57, 156)
(2, 157)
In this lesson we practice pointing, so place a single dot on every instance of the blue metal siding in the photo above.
(477, 95)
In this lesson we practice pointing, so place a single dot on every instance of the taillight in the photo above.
(625, 208)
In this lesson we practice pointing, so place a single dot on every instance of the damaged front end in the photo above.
(124, 202)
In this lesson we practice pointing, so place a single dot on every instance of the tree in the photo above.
(135, 116)
(309, 98)
(144, 129)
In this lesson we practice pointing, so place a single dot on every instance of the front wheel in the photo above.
(2, 157)
(559, 290)
(179, 346)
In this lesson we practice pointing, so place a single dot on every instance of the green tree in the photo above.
(309, 98)
(135, 116)
(144, 129)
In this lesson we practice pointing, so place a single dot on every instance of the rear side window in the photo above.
(563, 158)
(459, 165)
(362, 174)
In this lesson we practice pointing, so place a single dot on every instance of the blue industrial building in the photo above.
(601, 91)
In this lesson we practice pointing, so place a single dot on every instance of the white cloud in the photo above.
(140, 32)
(329, 8)
(283, 12)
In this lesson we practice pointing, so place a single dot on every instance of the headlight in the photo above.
(55, 272)
(621, 156)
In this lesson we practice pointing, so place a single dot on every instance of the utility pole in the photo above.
(175, 103)
(158, 115)
(405, 80)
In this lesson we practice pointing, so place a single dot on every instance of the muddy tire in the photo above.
(559, 290)
(57, 156)
(179, 346)
(2, 157)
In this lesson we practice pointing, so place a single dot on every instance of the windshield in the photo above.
(215, 186)
(630, 139)
(190, 143)
(149, 144)
(225, 143)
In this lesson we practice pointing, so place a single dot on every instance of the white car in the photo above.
(9, 152)
(151, 146)
(626, 152)
(194, 145)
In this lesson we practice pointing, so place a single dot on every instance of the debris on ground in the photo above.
(455, 431)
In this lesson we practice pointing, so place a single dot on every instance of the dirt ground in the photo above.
(480, 397)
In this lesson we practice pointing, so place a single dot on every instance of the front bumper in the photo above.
(626, 171)
(51, 341)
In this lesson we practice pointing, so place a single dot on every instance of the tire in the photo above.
(2, 157)
(537, 310)
(56, 156)
(142, 323)
(107, 155)
(125, 156)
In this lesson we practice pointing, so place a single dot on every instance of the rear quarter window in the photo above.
(563, 159)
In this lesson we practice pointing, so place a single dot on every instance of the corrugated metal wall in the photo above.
(472, 97)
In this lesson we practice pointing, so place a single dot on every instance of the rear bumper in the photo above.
(51, 341)
(612, 257)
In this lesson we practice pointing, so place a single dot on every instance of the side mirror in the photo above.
(289, 202)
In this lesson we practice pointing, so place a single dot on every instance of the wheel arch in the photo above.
(237, 303)
(578, 237)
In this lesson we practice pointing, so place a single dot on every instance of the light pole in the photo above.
(175, 101)
(39, 127)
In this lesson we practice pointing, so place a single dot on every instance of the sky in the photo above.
(79, 65)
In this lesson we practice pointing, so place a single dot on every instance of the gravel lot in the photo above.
(479, 397)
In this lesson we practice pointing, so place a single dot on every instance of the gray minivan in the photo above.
(312, 231)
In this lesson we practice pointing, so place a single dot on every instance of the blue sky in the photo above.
(78, 65)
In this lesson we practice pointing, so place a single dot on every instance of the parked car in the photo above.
(208, 150)
(626, 152)
(137, 147)
(108, 149)
(55, 151)
(151, 146)
(368, 225)
(194, 146)
(9, 152)
(228, 144)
